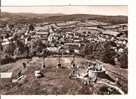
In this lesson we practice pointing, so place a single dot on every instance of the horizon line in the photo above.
(59, 13)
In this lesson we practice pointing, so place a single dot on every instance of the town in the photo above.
(64, 57)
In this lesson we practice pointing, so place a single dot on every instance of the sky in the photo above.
(62, 2)
(99, 10)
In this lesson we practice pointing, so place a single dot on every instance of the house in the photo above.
(6, 75)
(53, 49)
(110, 32)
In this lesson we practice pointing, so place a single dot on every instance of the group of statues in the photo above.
(90, 76)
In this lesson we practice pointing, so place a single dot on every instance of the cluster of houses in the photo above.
(69, 36)
(61, 38)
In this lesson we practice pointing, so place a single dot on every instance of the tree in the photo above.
(123, 59)
(109, 54)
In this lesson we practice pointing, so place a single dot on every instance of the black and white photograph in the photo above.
(64, 50)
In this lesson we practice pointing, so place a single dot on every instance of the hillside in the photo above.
(31, 17)
(55, 81)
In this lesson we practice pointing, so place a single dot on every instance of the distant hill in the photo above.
(82, 17)
(34, 18)
(28, 15)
